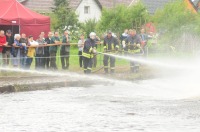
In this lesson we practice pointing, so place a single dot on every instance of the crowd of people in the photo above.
(21, 50)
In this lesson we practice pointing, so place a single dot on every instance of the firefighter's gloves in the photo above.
(138, 45)
(117, 47)
(94, 51)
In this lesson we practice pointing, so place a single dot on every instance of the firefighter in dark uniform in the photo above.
(133, 44)
(111, 45)
(89, 50)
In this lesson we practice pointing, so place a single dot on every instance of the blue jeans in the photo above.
(29, 61)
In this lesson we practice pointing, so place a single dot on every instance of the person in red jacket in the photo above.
(2, 40)
(2, 43)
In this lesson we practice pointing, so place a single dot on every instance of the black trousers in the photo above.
(95, 61)
(53, 60)
(39, 61)
(80, 58)
(64, 59)
(112, 63)
(87, 62)
(46, 60)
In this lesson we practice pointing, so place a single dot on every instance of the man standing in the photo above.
(53, 50)
(40, 53)
(65, 51)
(46, 51)
(6, 50)
(2, 43)
(23, 52)
(111, 45)
(132, 43)
(88, 53)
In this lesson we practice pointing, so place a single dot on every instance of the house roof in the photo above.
(195, 2)
(75, 3)
(112, 3)
(153, 5)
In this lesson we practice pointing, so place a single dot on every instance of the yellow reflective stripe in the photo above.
(104, 47)
(112, 46)
(117, 46)
(86, 55)
(112, 68)
(105, 66)
(135, 51)
(90, 50)
(89, 68)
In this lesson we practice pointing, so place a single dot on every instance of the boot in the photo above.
(106, 70)
(132, 69)
(88, 71)
(112, 71)
(137, 69)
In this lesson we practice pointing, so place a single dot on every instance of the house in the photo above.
(85, 9)
(91, 9)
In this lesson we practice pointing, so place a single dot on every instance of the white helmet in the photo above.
(92, 35)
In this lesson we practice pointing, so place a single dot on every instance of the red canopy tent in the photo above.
(14, 15)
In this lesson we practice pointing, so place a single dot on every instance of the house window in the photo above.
(86, 9)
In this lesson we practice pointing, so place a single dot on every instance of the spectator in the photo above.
(53, 50)
(46, 51)
(23, 51)
(40, 53)
(16, 51)
(31, 51)
(80, 49)
(65, 51)
(3, 42)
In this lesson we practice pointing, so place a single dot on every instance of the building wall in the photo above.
(94, 13)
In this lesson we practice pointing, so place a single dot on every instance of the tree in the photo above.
(63, 15)
(174, 18)
(121, 17)
(89, 26)
(177, 25)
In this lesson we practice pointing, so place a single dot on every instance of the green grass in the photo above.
(74, 59)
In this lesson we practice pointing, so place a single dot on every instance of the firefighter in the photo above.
(89, 50)
(133, 44)
(111, 45)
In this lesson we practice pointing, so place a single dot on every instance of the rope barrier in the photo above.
(46, 45)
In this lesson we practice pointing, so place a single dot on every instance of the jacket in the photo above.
(2, 42)
(64, 47)
(31, 50)
(88, 47)
(10, 41)
(110, 44)
(54, 48)
(133, 44)
(46, 48)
